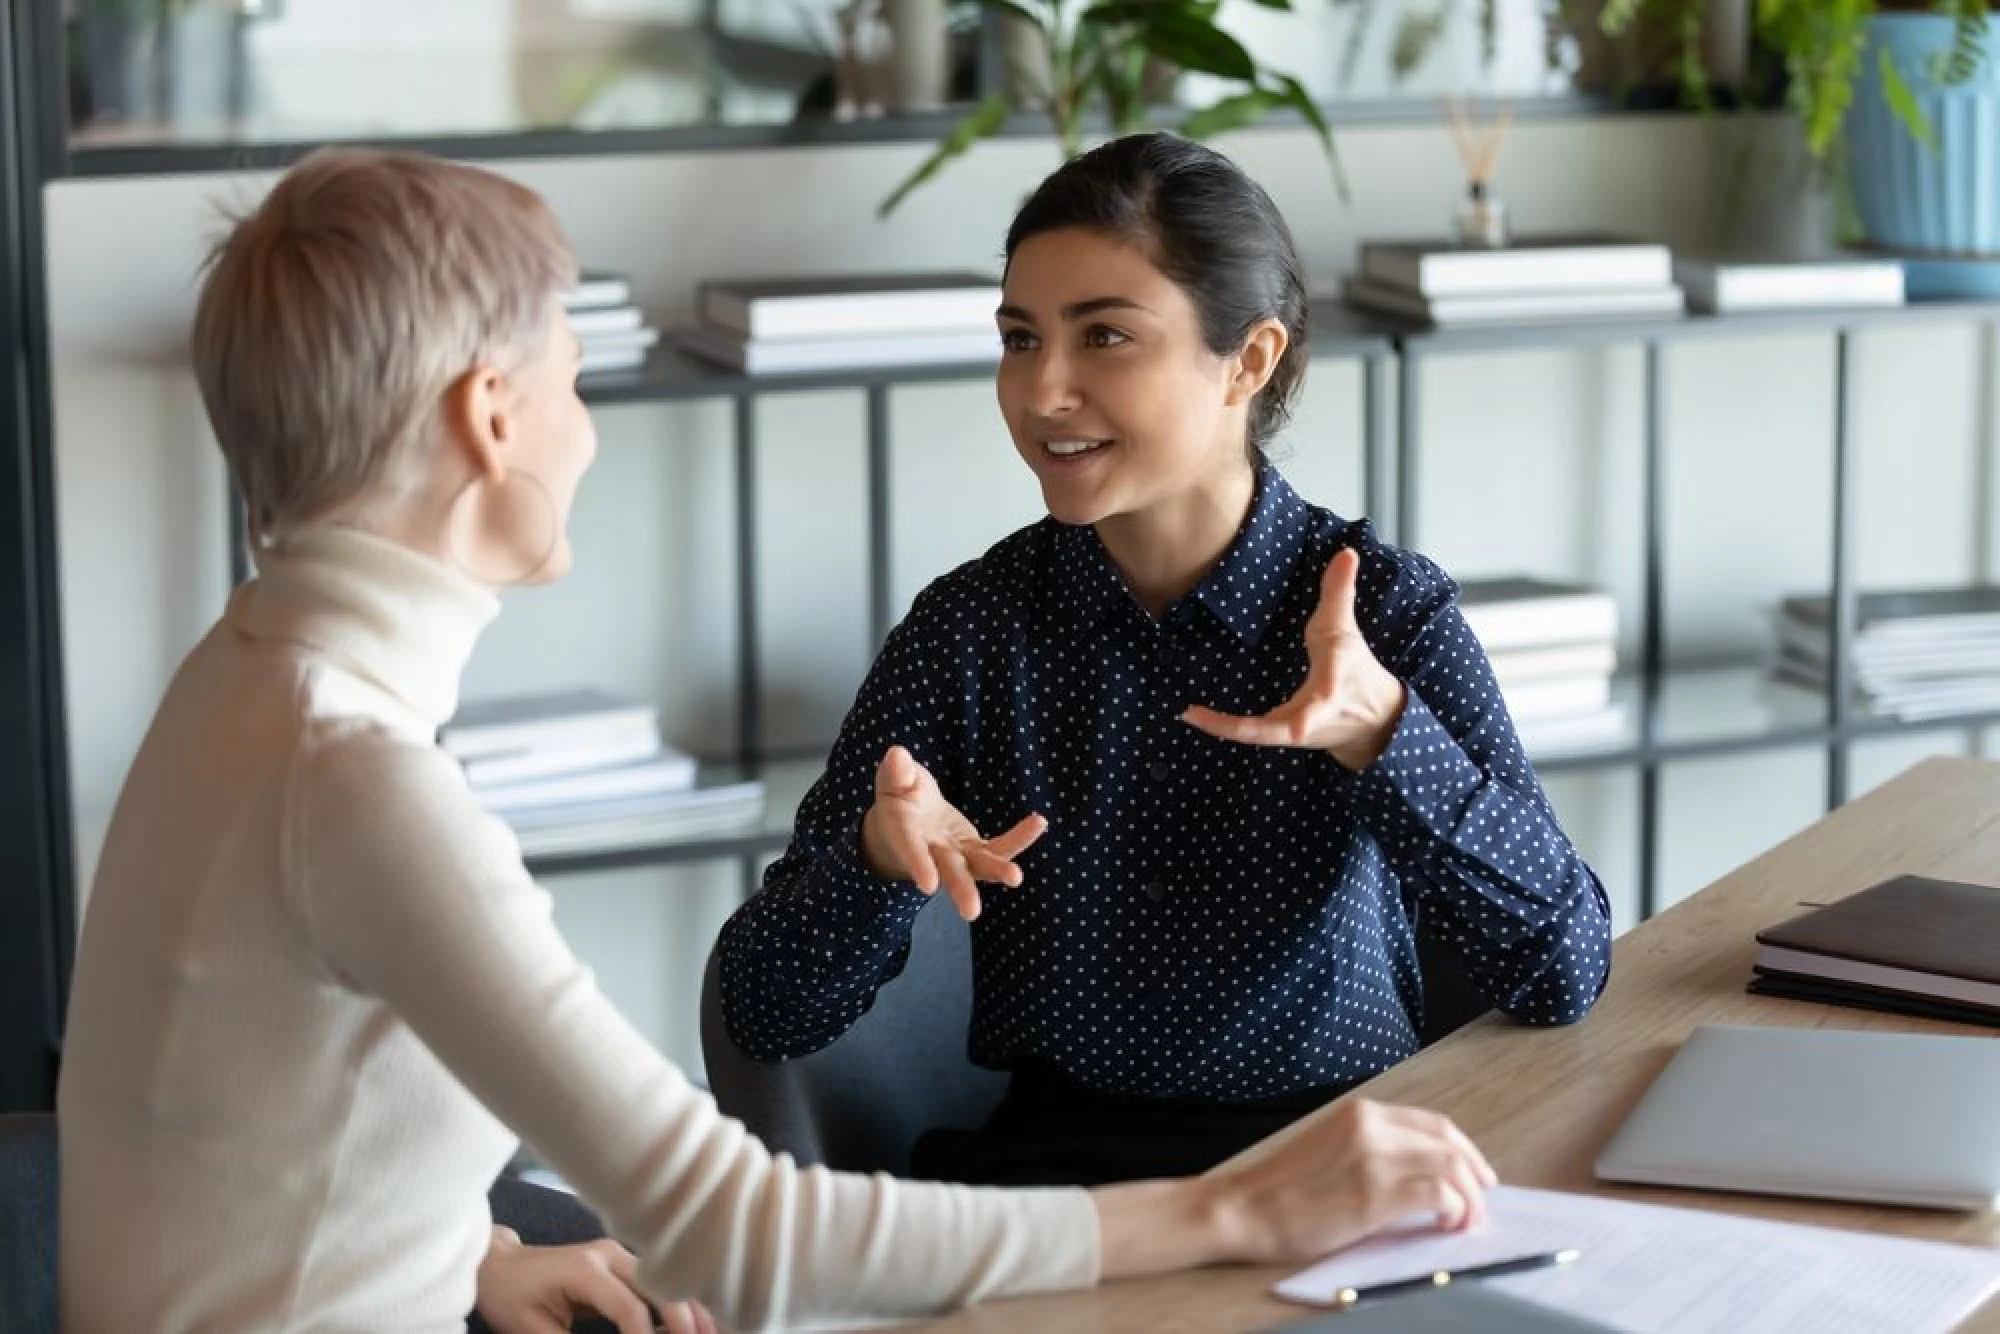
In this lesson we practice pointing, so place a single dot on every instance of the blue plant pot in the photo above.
(1911, 196)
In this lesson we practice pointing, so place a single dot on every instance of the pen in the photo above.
(1442, 1277)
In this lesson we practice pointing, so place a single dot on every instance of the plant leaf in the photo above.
(1231, 113)
(1968, 41)
(1903, 103)
(1112, 13)
(1018, 10)
(1197, 45)
(981, 122)
(1290, 92)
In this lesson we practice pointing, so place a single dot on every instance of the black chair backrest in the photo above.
(861, 1103)
(28, 1223)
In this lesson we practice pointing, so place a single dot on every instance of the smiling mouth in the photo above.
(1070, 449)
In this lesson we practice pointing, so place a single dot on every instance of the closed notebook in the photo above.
(1910, 937)
(1886, 1118)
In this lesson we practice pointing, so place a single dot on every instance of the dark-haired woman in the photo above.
(1218, 746)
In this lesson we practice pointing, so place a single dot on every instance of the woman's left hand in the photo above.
(546, 1289)
(1349, 704)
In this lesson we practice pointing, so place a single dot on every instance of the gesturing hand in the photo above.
(1349, 703)
(912, 833)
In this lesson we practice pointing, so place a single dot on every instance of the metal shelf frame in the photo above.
(1392, 359)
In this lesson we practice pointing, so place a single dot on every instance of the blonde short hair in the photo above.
(333, 318)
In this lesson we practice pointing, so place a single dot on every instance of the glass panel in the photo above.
(249, 71)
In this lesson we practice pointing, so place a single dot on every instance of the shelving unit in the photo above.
(1683, 713)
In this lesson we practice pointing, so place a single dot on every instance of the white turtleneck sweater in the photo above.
(317, 997)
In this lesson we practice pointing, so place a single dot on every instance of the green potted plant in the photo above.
(1897, 101)
(1100, 59)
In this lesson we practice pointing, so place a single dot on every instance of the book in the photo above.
(665, 771)
(1909, 936)
(1718, 284)
(799, 356)
(1557, 262)
(589, 324)
(1902, 614)
(1557, 697)
(610, 359)
(514, 766)
(596, 288)
(1518, 612)
(838, 305)
(632, 339)
(1598, 729)
(1530, 306)
(706, 810)
(497, 725)
(1520, 665)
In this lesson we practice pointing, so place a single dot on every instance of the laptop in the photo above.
(1886, 1118)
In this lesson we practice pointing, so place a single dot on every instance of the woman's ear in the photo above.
(1258, 360)
(476, 421)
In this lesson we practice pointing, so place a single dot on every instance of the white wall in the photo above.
(1531, 464)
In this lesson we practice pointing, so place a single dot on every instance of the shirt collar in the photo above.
(1242, 592)
(388, 613)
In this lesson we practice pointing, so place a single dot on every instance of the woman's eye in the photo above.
(1016, 340)
(1099, 335)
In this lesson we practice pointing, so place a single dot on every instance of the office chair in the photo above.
(860, 1104)
(28, 1223)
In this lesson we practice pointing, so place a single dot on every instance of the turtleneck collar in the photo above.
(403, 620)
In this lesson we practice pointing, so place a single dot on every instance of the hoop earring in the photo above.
(485, 511)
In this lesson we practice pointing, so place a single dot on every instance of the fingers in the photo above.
(1441, 1127)
(1279, 728)
(1019, 839)
(1336, 592)
(898, 774)
(608, 1295)
(958, 881)
(912, 850)
(688, 1318)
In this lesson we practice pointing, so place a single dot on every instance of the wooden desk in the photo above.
(1542, 1102)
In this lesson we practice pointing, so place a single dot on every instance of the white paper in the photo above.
(1647, 1268)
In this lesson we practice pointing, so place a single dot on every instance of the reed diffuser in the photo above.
(1482, 215)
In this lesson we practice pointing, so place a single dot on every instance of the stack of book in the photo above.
(1911, 945)
(615, 336)
(845, 322)
(583, 771)
(1446, 284)
(1554, 649)
(1917, 654)
(1729, 285)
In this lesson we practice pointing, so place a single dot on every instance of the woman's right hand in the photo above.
(1327, 1181)
(912, 833)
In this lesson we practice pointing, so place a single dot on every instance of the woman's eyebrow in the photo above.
(1075, 310)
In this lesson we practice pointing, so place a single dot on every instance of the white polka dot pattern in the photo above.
(1202, 919)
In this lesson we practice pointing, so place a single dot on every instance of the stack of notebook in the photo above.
(1913, 945)
(1918, 654)
(585, 770)
(844, 322)
(1534, 279)
(1554, 648)
(614, 335)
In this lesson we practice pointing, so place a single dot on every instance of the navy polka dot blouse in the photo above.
(1203, 918)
